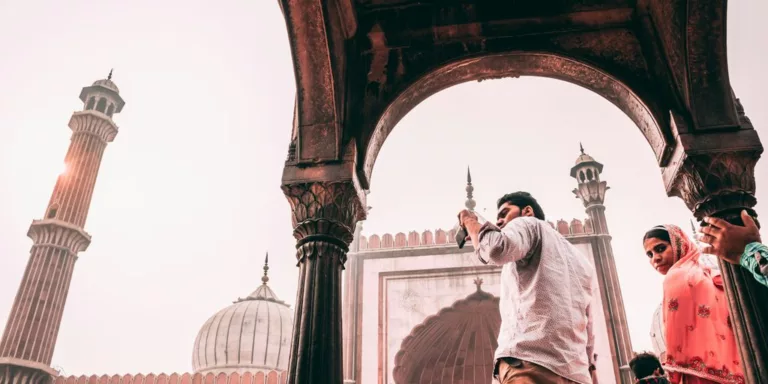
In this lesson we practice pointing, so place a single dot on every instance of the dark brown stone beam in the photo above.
(711, 96)
(526, 8)
(348, 17)
(398, 37)
(316, 109)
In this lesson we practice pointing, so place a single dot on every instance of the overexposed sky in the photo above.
(188, 201)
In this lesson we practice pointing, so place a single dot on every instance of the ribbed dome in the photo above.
(454, 346)
(107, 83)
(253, 333)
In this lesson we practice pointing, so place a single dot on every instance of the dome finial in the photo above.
(265, 278)
(109, 77)
(470, 203)
(478, 282)
(581, 147)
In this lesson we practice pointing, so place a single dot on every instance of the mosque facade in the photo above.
(419, 310)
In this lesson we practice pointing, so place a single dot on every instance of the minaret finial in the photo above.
(470, 203)
(109, 77)
(265, 278)
(581, 148)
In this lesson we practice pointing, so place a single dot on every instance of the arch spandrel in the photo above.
(649, 118)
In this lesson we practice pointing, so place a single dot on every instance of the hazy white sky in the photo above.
(188, 198)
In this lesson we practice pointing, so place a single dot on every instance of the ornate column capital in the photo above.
(721, 183)
(328, 209)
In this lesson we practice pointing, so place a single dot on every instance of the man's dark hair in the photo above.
(644, 364)
(522, 200)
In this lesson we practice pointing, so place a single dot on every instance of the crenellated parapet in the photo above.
(59, 233)
(441, 237)
(256, 377)
(94, 123)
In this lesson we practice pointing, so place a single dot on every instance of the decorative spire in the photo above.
(581, 148)
(470, 203)
(109, 77)
(478, 282)
(265, 278)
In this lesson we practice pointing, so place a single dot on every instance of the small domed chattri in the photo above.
(585, 161)
(583, 158)
(107, 83)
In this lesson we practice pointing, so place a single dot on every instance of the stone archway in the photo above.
(360, 65)
(642, 109)
(454, 346)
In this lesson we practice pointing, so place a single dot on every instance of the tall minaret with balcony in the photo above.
(30, 335)
(591, 191)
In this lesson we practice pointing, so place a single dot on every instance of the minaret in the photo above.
(30, 335)
(591, 191)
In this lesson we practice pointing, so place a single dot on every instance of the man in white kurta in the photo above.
(547, 293)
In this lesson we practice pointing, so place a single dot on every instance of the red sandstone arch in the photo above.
(360, 66)
(454, 346)
(652, 122)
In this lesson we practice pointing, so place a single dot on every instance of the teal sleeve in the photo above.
(755, 260)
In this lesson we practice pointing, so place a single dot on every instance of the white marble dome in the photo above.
(252, 334)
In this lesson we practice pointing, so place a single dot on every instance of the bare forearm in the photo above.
(473, 229)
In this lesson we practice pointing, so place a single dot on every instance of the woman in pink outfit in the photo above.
(701, 347)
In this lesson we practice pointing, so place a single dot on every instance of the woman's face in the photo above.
(660, 254)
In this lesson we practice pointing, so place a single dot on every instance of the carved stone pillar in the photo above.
(324, 218)
(722, 184)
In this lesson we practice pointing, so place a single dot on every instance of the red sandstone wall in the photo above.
(273, 377)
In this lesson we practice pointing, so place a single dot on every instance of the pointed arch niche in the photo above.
(454, 346)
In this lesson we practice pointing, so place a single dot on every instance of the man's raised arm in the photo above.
(500, 246)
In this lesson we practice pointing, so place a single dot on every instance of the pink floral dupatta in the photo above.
(697, 325)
